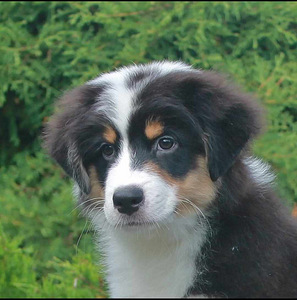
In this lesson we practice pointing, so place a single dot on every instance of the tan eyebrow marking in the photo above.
(153, 129)
(110, 135)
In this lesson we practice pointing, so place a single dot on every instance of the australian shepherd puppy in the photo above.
(160, 158)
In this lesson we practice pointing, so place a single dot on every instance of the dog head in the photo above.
(148, 143)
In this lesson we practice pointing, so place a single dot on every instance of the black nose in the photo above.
(127, 199)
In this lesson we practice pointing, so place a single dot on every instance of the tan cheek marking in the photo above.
(153, 129)
(110, 135)
(196, 188)
(156, 169)
(97, 191)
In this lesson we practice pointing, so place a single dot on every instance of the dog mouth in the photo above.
(132, 222)
(144, 222)
(140, 224)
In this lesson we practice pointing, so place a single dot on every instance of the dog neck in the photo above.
(153, 262)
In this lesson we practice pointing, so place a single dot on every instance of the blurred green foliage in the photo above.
(48, 47)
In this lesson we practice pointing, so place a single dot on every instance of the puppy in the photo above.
(160, 158)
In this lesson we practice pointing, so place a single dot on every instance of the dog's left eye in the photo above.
(166, 143)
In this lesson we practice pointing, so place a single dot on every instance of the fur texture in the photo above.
(160, 158)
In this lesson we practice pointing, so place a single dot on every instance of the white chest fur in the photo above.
(153, 263)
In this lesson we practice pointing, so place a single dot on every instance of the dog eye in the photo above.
(108, 151)
(166, 143)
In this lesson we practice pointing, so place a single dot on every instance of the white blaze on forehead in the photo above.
(154, 68)
(166, 67)
(123, 166)
(118, 98)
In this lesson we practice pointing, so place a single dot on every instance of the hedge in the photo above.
(49, 47)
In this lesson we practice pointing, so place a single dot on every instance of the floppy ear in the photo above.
(227, 137)
(229, 120)
(60, 133)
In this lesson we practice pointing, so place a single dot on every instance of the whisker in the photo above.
(97, 214)
(118, 223)
(80, 237)
(84, 202)
(86, 209)
(95, 207)
(92, 206)
(197, 209)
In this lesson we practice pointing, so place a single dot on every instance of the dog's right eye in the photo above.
(108, 151)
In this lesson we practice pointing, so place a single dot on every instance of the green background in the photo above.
(46, 247)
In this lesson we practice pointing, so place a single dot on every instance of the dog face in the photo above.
(147, 144)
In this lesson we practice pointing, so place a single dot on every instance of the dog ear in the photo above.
(60, 133)
(228, 118)
(227, 136)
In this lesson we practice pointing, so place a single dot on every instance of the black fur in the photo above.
(253, 248)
